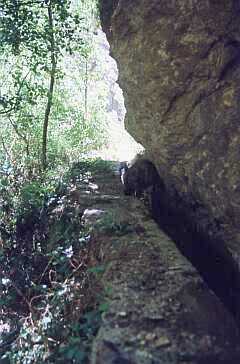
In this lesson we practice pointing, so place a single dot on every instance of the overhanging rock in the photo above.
(179, 70)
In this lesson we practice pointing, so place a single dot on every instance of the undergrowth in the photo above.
(51, 265)
(110, 225)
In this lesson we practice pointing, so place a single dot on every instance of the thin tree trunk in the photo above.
(86, 89)
(51, 88)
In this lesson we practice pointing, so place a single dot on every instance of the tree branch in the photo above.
(12, 108)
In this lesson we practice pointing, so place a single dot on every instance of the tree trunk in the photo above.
(86, 89)
(51, 88)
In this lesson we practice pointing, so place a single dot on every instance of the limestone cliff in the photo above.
(179, 70)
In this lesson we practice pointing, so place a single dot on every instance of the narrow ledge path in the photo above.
(160, 310)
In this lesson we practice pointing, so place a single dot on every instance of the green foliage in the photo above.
(25, 65)
(32, 195)
(110, 224)
(50, 272)
(93, 165)
(51, 341)
(23, 26)
(50, 278)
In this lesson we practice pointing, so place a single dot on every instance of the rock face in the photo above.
(108, 72)
(179, 70)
